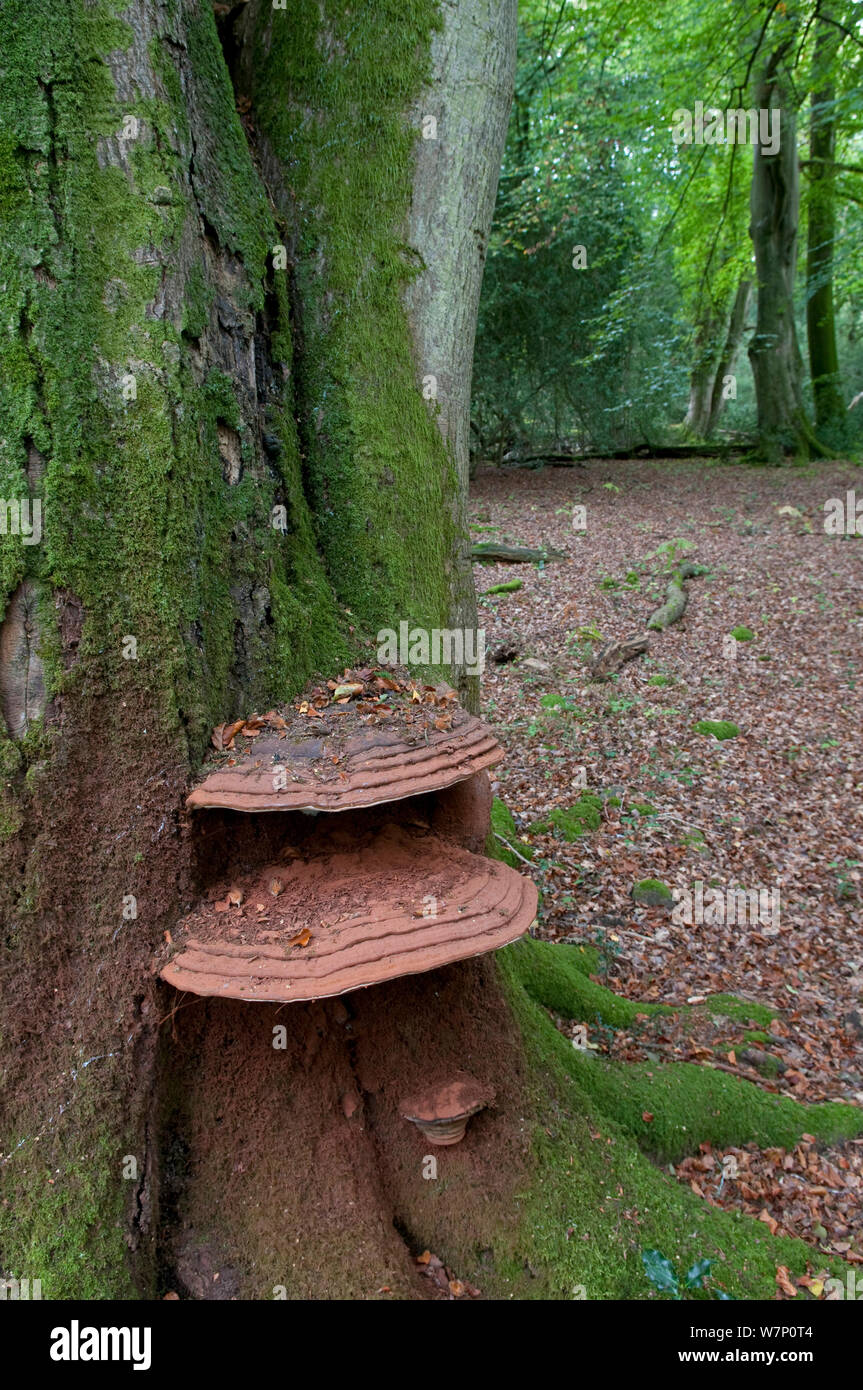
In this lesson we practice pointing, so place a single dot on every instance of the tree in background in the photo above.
(663, 308)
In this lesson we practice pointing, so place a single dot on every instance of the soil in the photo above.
(306, 1141)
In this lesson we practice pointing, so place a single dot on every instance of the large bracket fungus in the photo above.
(353, 897)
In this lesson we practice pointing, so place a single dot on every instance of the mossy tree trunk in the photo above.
(733, 338)
(820, 316)
(783, 426)
(219, 308)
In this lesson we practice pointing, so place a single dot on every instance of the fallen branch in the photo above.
(612, 655)
(676, 598)
(556, 460)
(511, 848)
(513, 554)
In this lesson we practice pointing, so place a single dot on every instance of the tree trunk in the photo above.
(703, 373)
(733, 338)
(820, 318)
(218, 327)
(773, 352)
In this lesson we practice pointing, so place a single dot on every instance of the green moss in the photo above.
(65, 1221)
(644, 808)
(557, 977)
(742, 1010)
(660, 680)
(743, 634)
(503, 824)
(652, 892)
(382, 482)
(572, 821)
(717, 728)
(597, 1199)
(689, 1103)
(510, 587)
(693, 1104)
(756, 1035)
(161, 546)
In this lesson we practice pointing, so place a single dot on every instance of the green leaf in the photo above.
(660, 1271)
(698, 1273)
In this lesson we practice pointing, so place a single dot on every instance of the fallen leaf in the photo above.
(783, 1279)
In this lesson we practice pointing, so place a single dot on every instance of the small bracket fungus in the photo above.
(441, 1113)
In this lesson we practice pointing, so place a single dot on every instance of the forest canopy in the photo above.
(621, 299)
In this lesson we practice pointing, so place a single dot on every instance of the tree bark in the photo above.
(703, 375)
(774, 352)
(733, 339)
(217, 330)
(820, 317)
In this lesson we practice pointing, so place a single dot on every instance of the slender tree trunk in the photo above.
(774, 352)
(704, 371)
(820, 318)
(725, 364)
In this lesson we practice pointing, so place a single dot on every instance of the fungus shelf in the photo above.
(399, 903)
(359, 898)
(368, 767)
(441, 1112)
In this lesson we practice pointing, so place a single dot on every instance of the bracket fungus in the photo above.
(441, 1112)
(351, 900)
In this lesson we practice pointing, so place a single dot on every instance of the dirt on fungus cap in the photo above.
(342, 757)
(356, 912)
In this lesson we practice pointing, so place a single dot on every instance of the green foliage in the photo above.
(603, 356)
(743, 634)
(661, 1274)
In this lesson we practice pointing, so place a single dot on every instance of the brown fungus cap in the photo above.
(356, 912)
(454, 1099)
(331, 752)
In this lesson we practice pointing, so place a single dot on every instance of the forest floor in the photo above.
(775, 810)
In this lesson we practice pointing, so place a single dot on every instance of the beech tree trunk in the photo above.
(774, 203)
(728, 355)
(820, 318)
(703, 373)
(221, 304)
